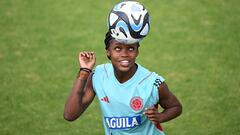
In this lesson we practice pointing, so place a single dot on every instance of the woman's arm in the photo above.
(172, 107)
(82, 93)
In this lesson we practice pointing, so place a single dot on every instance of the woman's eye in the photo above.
(117, 49)
(131, 49)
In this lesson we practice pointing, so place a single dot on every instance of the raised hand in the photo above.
(87, 59)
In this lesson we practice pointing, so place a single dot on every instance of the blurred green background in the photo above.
(194, 45)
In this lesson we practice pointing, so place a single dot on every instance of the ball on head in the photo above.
(128, 22)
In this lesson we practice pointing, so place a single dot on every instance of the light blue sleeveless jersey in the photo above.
(123, 104)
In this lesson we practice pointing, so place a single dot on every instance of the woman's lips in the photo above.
(124, 63)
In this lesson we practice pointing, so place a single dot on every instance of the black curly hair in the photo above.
(108, 37)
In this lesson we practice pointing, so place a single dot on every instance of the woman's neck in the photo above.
(125, 76)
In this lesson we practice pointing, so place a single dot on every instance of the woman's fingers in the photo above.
(150, 110)
(87, 59)
(152, 114)
(87, 55)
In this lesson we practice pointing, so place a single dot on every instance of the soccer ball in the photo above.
(128, 22)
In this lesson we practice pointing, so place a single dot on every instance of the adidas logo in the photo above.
(105, 99)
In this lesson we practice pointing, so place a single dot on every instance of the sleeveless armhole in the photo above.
(157, 82)
(100, 73)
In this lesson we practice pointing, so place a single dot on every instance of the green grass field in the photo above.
(195, 45)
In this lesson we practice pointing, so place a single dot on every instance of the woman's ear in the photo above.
(108, 53)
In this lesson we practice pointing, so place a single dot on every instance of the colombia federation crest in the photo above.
(136, 103)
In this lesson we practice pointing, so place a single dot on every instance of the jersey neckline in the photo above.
(129, 81)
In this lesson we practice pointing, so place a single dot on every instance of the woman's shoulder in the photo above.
(101, 67)
(145, 71)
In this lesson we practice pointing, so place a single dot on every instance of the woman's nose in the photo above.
(124, 53)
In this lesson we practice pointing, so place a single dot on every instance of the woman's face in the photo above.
(122, 56)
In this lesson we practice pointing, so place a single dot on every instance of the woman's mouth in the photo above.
(124, 63)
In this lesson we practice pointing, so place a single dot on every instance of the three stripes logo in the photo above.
(157, 83)
(105, 99)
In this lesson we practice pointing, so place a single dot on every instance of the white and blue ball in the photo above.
(128, 22)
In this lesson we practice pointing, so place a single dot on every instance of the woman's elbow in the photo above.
(69, 117)
(180, 109)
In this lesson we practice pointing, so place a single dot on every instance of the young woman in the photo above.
(128, 93)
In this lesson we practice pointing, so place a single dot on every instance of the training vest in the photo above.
(123, 104)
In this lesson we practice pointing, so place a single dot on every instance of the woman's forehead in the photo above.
(115, 42)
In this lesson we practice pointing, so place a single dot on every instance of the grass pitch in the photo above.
(194, 45)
